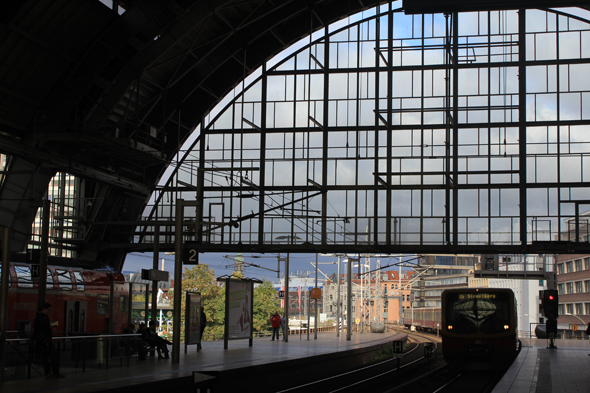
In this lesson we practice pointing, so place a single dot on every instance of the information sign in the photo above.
(316, 293)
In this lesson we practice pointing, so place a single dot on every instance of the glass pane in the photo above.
(9, 277)
(49, 284)
(102, 304)
(65, 280)
(79, 281)
(23, 276)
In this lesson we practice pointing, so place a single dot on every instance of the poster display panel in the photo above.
(240, 313)
(192, 329)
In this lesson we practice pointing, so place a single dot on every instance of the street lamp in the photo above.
(362, 304)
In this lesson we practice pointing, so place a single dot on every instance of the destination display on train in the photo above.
(469, 296)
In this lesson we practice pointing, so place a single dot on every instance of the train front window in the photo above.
(23, 276)
(487, 313)
(65, 280)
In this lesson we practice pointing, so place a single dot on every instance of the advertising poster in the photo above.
(240, 315)
(192, 317)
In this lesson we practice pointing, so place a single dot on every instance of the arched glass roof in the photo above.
(466, 132)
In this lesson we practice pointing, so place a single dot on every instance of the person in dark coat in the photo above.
(160, 343)
(43, 334)
(203, 320)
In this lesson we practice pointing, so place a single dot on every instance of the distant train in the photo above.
(478, 327)
(81, 294)
(424, 319)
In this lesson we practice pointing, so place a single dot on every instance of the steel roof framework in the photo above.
(459, 133)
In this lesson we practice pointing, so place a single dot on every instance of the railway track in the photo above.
(381, 376)
(471, 382)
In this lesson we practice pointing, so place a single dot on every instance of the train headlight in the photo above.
(506, 327)
(450, 327)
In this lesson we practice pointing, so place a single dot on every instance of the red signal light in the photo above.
(550, 297)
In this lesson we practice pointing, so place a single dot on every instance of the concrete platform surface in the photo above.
(538, 369)
(162, 374)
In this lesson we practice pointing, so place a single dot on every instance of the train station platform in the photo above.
(266, 366)
(538, 369)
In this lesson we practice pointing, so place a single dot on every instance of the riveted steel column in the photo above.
(522, 124)
(5, 243)
(177, 281)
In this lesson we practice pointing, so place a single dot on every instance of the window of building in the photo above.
(560, 268)
(586, 308)
(79, 281)
(579, 287)
(586, 263)
(561, 309)
(569, 308)
(578, 265)
(560, 289)
(570, 287)
(579, 308)
(64, 279)
(23, 276)
(569, 267)
(587, 286)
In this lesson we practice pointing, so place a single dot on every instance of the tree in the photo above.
(265, 304)
(202, 279)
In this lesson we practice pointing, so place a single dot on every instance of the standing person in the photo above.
(203, 320)
(42, 331)
(284, 326)
(275, 322)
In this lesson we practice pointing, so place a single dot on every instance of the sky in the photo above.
(222, 265)
(541, 83)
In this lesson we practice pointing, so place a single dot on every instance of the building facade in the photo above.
(573, 285)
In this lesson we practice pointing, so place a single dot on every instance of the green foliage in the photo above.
(265, 304)
(202, 279)
(138, 297)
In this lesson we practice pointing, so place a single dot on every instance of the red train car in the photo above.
(81, 294)
(425, 318)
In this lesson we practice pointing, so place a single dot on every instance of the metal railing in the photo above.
(74, 354)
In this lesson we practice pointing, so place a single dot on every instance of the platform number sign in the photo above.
(190, 255)
(428, 349)
(281, 294)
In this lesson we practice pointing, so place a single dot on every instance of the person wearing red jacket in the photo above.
(275, 322)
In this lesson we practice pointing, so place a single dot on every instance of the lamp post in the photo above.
(290, 238)
(362, 304)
